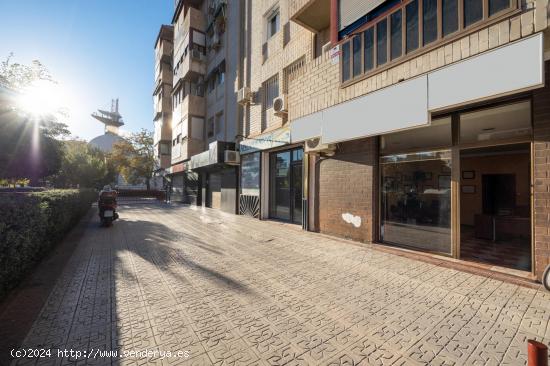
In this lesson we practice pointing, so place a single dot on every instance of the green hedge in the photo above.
(31, 223)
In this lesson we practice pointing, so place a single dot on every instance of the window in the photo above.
(164, 148)
(368, 42)
(219, 125)
(429, 21)
(345, 62)
(210, 130)
(412, 26)
(473, 12)
(356, 56)
(449, 16)
(396, 34)
(415, 24)
(496, 6)
(273, 23)
(382, 42)
(271, 91)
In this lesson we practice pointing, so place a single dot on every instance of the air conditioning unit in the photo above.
(314, 146)
(244, 96)
(231, 157)
(280, 106)
(216, 41)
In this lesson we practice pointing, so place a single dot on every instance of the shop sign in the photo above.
(266, 141)
(178, 168)
(209, 157)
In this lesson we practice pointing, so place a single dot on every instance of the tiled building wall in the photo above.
(541, 164)
(347, 190)
(318, 86)
(279, 55)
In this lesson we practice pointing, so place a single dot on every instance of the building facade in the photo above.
(434, 117)
(419, 124)
(162, 98)
(204, 104)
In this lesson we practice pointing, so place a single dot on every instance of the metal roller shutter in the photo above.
(351, 10)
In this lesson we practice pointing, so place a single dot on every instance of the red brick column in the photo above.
(333, 22)
(541, 165)
(348, 186)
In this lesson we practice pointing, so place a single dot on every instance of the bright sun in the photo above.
(41, 98)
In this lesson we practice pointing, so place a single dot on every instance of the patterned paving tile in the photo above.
(201, 287)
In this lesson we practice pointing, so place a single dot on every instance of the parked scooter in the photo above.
(107, 206)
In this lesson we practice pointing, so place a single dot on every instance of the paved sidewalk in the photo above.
(230, 290)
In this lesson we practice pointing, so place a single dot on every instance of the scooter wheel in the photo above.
(546, 278)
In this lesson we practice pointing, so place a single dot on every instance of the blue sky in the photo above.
(95, 49)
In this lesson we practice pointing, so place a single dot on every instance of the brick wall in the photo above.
(280, 55)
(318, 87)
(347, 186)
(541, 117)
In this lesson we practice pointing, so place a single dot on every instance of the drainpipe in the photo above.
(333, 22)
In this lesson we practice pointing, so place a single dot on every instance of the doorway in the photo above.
(285, 188)
(495, 208)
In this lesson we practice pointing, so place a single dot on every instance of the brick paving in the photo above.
(231, 290)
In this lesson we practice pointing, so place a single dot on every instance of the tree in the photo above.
(29, 147)
(84, 166)
(134, 157)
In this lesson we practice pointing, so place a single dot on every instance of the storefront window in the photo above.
(436, 135)
(416, 200)
(250, 174)
(505, 122)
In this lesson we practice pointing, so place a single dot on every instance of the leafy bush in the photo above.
(31, 223)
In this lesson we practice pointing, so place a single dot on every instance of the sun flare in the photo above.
(41, 98)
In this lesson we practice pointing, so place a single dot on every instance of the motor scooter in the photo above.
(107, 205)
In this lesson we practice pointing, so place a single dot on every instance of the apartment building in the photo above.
(417, 124)
(204, 104)
(272, 169)
(162, 98)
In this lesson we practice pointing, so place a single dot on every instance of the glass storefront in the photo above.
(285, 190)
(416, 200)
(462, 186)
(250, 174)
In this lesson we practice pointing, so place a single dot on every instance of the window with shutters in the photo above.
(408, 29)
(271, 91)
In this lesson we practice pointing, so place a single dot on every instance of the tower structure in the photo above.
(112, 120)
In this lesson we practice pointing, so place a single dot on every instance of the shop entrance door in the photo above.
(495, 211)
(285, 189)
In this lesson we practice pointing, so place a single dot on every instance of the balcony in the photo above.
(194, 19)
(194, 63)
(163, 129)
(193, 105)
(163, 75)
(311, 14)
(163, 53)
